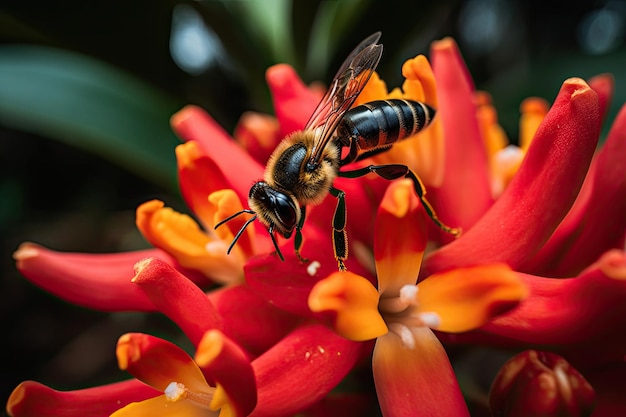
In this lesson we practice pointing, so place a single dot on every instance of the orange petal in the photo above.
(400, 237)
(466, 298)
(225, 203)
(181, 237)
(375, 89)
(423, 153)
(420, 82)
(160, 406)
(355, 300)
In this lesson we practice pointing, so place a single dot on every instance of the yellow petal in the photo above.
(355, 300)
(533, 112)
(493, 135)
(181, 237)
(467, 298)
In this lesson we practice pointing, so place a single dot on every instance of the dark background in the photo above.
(77, 195)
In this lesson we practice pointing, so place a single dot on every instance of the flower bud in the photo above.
(540, 384)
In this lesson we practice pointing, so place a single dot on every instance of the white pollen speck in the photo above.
(408, 294)
(408, 339)
(404, 333)
(431, 320)
(313, 267)
(174, 391)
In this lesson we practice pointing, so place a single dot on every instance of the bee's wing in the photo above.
(343, 90)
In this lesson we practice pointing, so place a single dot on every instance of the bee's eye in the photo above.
(284, 209)
(279, 204)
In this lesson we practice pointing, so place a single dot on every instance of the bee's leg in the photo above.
(395, 171)
(354, 157)
(278, 252)
(298, 238)
(340, 237)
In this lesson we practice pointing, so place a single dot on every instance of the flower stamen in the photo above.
(430, 319)
(176, 391)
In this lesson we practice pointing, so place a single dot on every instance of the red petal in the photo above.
(32, 399)
(301, 369)
(233, 167)
(293, 101)
(416, 382)
(177, 297)
(287, 284)
(541, 192)
(249, 319)
(157, 362)
(597, 221)
(567, 311)
(97, 281)
(259, 134)
(464, 194)
(225, 363)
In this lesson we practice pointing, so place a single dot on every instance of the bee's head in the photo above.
(276, 209)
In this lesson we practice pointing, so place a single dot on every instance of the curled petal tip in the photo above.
(445, 43)
(25, 251)
(140, 266)
(280, 76)
(613, 264)
(185, 113)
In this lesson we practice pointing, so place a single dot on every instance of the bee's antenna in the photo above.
(229, 218)
(238, 235)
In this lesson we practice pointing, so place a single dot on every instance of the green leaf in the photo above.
(89, 104)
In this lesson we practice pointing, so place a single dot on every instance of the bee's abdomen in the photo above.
(383, 122)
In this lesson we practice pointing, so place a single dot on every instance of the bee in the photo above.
(301, 170)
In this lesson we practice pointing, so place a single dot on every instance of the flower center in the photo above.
(402, 314)
(177, 391)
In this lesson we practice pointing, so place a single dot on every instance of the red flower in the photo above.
(411, 370)
(552, 207)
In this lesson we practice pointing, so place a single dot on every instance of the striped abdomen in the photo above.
(383, 122)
